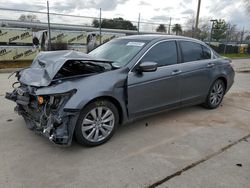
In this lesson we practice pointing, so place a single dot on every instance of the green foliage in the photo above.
(236, 56)
(59, 45)
(115, 23)
(177, 29)
(161, 28)
(219, 30)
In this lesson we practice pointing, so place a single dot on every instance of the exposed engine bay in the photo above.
(81, 68)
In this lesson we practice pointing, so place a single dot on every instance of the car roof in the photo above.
(153, 37)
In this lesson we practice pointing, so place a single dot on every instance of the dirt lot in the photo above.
(190, 147)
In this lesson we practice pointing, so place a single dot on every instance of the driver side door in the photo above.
(152, 91)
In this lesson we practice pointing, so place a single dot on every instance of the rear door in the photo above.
(196, 69)
(151, 91)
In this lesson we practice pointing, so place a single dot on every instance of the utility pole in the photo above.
(211, 30)
(242, 35)
(197, 16)
(49, 33)
(100, 27)
(228, 30)
(169, 25)
(138, 26)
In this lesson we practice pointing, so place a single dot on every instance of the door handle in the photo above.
(210, 65)
(175, 72)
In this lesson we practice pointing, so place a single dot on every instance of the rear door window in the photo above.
(192, 51)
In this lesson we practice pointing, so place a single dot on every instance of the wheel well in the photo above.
(114, 101)
(224, 81)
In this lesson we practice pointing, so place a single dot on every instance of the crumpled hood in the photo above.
(46, 65)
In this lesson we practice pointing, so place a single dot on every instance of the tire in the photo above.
(97, 123)
(215, 95)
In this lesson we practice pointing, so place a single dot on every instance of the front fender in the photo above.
(111, 83)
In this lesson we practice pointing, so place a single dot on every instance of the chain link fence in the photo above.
(28, 32)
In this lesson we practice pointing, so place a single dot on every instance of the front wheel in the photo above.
(215, 95)
(97, 123)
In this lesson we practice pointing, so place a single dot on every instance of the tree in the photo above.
(188, 33)
(247, 38)
(202, 32)
(161, 28)
(247, 5)
(219, 30)
(204, 29)
(189, 26)
(59, 45)
(177, 29)
(115, 23)
(190, 22)
(29, 18)
(233, 33)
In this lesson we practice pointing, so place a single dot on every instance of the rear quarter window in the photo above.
(206, 52)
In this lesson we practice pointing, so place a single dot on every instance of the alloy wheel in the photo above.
(98, 124)
(216, 94)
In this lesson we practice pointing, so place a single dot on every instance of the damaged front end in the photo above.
(46, 87)
(45, 114)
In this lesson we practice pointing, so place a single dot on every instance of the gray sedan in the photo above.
(67, 93)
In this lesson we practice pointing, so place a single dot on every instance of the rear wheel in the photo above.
(215, 95)
(97, 123)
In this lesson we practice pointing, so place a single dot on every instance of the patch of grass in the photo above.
(16, 64)
(236, 56)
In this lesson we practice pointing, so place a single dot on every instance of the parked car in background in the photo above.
(66, 93)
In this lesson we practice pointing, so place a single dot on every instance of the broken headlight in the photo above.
(54, 100)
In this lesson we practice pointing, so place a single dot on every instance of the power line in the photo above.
(77, 16)
(40, 12)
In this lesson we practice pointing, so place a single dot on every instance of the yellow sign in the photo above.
(6, 54)
(77, 37)
(69, 37)
(14, 35)
(16, 53)
(243, 49)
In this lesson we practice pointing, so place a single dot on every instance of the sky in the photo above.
(158, 11)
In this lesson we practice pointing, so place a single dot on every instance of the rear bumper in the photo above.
(230, 80)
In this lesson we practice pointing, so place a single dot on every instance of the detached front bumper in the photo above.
(54, 123)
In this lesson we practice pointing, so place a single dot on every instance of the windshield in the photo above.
(119, 51)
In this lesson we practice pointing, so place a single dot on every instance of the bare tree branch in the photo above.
(247, 5)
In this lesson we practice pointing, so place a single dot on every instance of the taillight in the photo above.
(231, 65)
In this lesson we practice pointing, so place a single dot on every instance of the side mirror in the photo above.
(147, 67)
